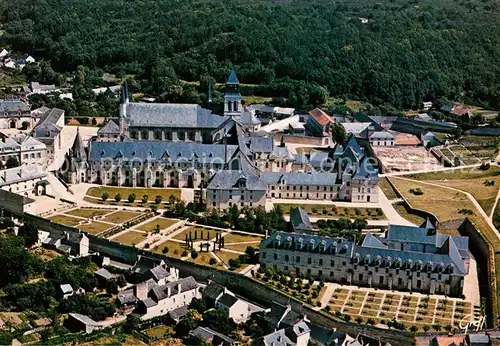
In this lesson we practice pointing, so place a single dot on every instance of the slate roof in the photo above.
(382, 135)
(248, 118)
(282, 316)
(78, 149)
(83, 318)
(355, 128)
(21, 173)
(159, 272)
(232, 78)
(225, 180)
(207, 334)
(182, 152)
(428, 224)
(364, 118)
(300, 219)
(178, 313)
(144, 263)
(148, 302)
(172, 115)
(366, 170)
(373, 242)
(213, 290)
(300, 178)
(227, 300)
(52, 116)
(111, 127)
(277, 338)
(10, 106)
(104, 273)
(126, 297)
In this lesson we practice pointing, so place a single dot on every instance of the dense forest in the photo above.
(408, 51)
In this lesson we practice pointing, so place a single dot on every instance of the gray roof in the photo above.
(479, 339)
(382, 135)
(172, 115)
(366, 170)
(66, 288)
(248, 118)
(227, 300)
(21, 173)
(148, 302)
(300, 178)
(52, 116)
(82, 318)
(111, 127)
(208, 334)
(178, 313)
(226, 180)
(300, 219)
(46, 131)
(277, 338)
(159, 272)
(174, 151)
(10, 106)
(104, 273)
(126, 296)
(213, 290)
(42, 87)
(232, 78)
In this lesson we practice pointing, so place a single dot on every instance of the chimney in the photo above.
(169, 291)
(179, 288)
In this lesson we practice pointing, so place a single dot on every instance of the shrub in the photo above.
(484, 166)
(327, 308)
(370, 321)
(314, 210)
(131, 198)
(158, 199)
(413, 329)
(417, 192)
(465, 211)
(427, 327)
(146, 246)
(165, 250)
(118, 197)
(359, 320)
(184, 253)
(145, 199)
(194, 254)
(324, 211)
(104, 196)
(176, 251)
(357, 211)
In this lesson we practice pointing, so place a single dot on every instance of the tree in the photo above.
(250, 251)
(29, 233)
(187, 323)
(131, 198)
(165, 250)
(339, 134)
(219, 321)
(118, 198)
(104, 196)
(158, 199)
(212, 261)
(194, 254)
(12, 162)
(25, 125)
(145, 199)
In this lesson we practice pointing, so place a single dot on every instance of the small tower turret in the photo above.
(232, 96)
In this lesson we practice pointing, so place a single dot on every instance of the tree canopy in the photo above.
(407, 52)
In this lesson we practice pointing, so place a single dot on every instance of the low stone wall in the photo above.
(307, 140)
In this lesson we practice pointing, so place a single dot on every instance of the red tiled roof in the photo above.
(461, 111)
(321, 117)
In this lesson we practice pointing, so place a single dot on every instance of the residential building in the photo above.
(360, 130)
(72, 243)
(26, 180)
(103, 276)
(427, 106)
(224, 300)
(418, 126)
(25, 149)
(319, 122)
(408, 258)
(82, 323)
(212, 337)
(110, 131)
(248, 120)
(158, 300)
(429, 139)
(48, 131)
(382, 138)
(13, 113)
(37, 88)
(66, 290)
(148, 268)
(113, 90)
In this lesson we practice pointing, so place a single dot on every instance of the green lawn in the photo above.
(235, 237)
(159, 332)
(175, 249)
(162, 222)
(88, 213)
(199, 230)
(95, 227)
(457, 174)
(120, 217)
(130, 238)
(413, 218)
(65, 220)
(387, 189)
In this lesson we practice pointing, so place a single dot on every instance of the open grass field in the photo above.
(120, 217)
(235, 237)
(241, 247)
(457, 174)
(88, 213)
(139, 192)
(175, 249)
(484, 195)
(326, 211)
(161, 222)
(159, 332)
(130, 238)
(199, 232)
(65, 220)
(203, 259)
(387, 189)
(95, 227)
(413, 218)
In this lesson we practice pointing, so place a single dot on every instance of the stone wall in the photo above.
(317, 141)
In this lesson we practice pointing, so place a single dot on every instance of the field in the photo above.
(120, 217)
(413, 218)
(175, 249)
(88, 213)
(65, 220)
(162, 222)
(327, 210)
(159, 332)
(235, 237)
(469, 180)
(387, 189)
(464, 154)
(95, 227)
(130, 238)
(484, 148)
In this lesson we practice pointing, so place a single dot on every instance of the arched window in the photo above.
(235, 106)
(229, 106)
